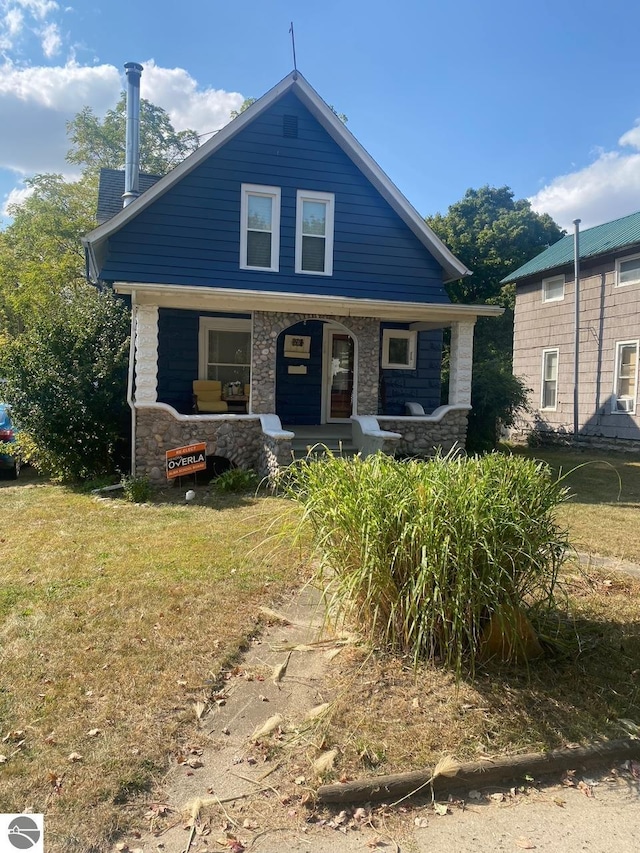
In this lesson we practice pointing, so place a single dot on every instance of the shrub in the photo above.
(236, 480)
(423, 554)
(66, 380)
(136, 489)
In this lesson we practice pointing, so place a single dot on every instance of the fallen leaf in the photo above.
(94, 732)
(74, 756)
(249, 824)
(559, 802)
(194, 763)
(586, 789)
(525, 843)
(421, 822)
(3, 759)
(497, 797)
(475, 795)
(299, 780)
(441, 808)
(360, 814)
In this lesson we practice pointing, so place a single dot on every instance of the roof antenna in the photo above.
(293, 48)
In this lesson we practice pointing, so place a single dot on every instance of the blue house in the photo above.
(281, 271)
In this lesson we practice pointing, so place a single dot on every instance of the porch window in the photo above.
(626, 377)
(549, 379)
(627, 270)
(553, 289)
(399, 349)
(314, 233)
(260, 228)
(225, 351)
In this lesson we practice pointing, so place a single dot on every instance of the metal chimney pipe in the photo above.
(132, 162)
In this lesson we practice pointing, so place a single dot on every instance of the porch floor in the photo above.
(336, 437)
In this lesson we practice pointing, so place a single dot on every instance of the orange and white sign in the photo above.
(186, 460)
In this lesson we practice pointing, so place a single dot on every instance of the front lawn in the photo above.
(115, 620)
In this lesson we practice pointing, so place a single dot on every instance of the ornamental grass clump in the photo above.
(428, 557)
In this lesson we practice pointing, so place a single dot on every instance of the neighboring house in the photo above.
(609, 334)
(279, 260)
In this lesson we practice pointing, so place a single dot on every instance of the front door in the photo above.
(338, 371)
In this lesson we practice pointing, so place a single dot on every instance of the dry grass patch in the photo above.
(115, 619)
(388, 717)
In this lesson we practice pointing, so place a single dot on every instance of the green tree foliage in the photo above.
(66, 380)
(243, 106)
(97, 144)
(492, 234)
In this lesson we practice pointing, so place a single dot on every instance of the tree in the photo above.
(66, 380)
(243, 106)
(97, 144)
(492, 234)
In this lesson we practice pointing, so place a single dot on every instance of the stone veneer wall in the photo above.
(267, 326)
(421, 437)
(238, 439)
(524, 433)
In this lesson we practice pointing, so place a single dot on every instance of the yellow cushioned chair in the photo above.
(207, 397)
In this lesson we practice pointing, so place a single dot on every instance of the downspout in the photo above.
(130, 400)
(132, 162)
(576, 345)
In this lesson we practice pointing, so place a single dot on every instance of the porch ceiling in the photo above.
(223, 299)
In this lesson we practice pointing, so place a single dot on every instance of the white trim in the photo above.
(545, 353)
(328, 329)
(274, 193)
(623, 260)
(328, 199)
(616, 376)
(295, 83)
(228, 299)
(409, 335)
(547, 281)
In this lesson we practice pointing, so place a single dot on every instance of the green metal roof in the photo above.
(599, 240)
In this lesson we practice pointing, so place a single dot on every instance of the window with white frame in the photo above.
(260, 228)
(549, 396)
(225, 350)
(399, 349)
(626, 378)
(314, 232)
(627, 270)
(553, 289)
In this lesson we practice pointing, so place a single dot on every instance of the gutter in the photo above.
(130, 400)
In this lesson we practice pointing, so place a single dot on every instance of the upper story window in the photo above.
(260, 228)
(553, 289)
(399, 349)
(628, 270)
(626, 377)
(549, 396)
(314, 233)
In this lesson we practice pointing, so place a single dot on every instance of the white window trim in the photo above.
(329, 199)
(409, 335)
(221, 324)
(621, 261)
(616, 369)
(545, 352)
(545, 282)
(268, 192)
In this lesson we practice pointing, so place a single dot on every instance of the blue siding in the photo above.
(178, 355)
(191, 234)
(421, 385)
(299, 396)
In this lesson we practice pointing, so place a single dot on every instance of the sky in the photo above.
(541, 96)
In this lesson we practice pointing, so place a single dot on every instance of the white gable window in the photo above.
(553, 289)
(399, 349)
(628, 270)
(626, 378)
(314, 232)
(549, 396)
(260, 228)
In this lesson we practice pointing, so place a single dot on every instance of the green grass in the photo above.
(118, 617)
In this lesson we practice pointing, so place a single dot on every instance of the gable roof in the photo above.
(111, 190)
(95, 242)
(599, 240)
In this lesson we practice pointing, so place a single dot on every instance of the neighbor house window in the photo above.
(628, 270)
(399, 349)
(260, 228)
(626, 377)
(549, 379)
(553, 289)
(225, 350)
(314, 233)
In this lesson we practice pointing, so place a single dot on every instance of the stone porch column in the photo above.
(461, 363)
(146, 354)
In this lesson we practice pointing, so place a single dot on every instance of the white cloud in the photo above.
(605, 189)
(16, 196)
(51, 40)
(36, 102)
(38, 8)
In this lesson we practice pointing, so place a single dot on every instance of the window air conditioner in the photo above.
(624, 404)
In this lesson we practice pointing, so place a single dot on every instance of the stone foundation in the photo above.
(423, 437)
(563, 438)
